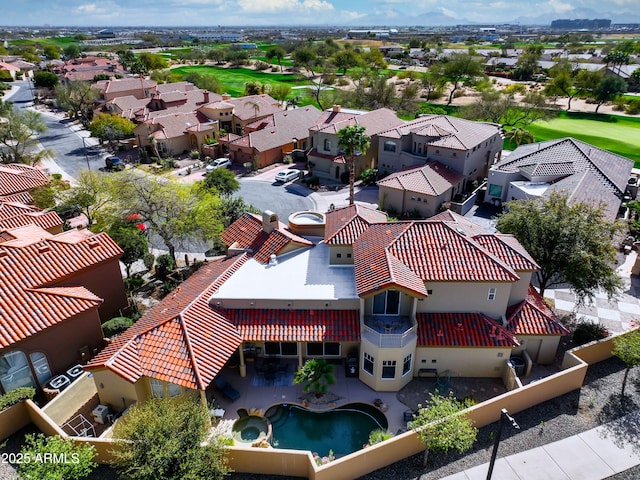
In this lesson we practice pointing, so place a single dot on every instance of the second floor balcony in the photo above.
(389, 331)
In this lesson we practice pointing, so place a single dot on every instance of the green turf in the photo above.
(234, 79)
(617, 134)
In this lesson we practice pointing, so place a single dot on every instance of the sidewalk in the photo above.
(592, 455)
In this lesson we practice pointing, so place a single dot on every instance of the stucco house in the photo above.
(586, 173)
(119, 87)
(419, 191)
(234, 114)
(411, 298)
(464, 146)
(266, 141)
(327, 156)
(55, 290)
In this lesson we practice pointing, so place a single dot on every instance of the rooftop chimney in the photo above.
(206, 96)
(269, 221)
(226, 96)
(336, 108)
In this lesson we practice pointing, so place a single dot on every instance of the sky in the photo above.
(305, 12)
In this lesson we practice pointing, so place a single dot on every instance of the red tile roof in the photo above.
(344, 225)
(32, 262)
(182, 339)
(257, 325)
(508, 249)
(462, 330)
(16, 178)
(534, 317)
(13, 215)
(431, 179)
(247, 233)
(22, 197)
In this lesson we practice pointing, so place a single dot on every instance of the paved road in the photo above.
(67, 145)
(280, 199)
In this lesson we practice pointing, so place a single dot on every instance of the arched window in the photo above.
(15, 371)
(389, 146)
(41, 367)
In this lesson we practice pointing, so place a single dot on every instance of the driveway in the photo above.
(283, 200)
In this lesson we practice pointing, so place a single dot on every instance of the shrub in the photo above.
(167, 287)
(378, 435)
(169, 163)
(133, 283)
(5, 76)
(148, 259)
(164, 265)
(16, 396)
(260, 65)
(586, 332)
(343, 82)
(287, 159)
(329, 79)
(116, 325)
(515, 88)
(369, 176)
(194, 154)
(633, 107)
(77, 458)
(248, 166)
(312, 180)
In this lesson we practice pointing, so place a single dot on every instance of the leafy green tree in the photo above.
(527, 63)
(497, 107)
(51, 52)
(459, 67)
(608, 88)
(78, 464)
(617, 58)
(127, 58)
(71, 51)
(572, 243)
(131, 240)
(562, 82)
(586, 82)
(280, 91)
(278, 53)
(441, 425)
(217, 55)
(172, 210)
(44, 79)
(92, 194)
(345, 59)
(111, 128)
(355, 142)
(304, 57)
(19, 132)
(433, 82)
(222, 181)
(78, 98)
(205, 82)
(236, 57)
(168, 439)
(153, 61)
(317, 375)
(232, 208)
(627, 348)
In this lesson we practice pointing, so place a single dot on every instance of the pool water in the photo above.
(343, 430)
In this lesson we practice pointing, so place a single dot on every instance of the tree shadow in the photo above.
(622, 425)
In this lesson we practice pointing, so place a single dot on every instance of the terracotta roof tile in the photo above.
(16, 178)
(296, 325)
(534, 317)
(508, 249)
(182, 339)
(13, 215)
(247, 233)
(462, 330)
(30, 267)
(344, 225)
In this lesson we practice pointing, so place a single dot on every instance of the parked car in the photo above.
(218, 163)
(114, 163)
(287, 175)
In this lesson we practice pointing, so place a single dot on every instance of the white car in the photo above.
(218, 163)
(287, 175)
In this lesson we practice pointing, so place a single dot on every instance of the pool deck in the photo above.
(348, 389)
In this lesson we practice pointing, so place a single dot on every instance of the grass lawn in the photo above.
(617, 134)
(234, 79)
(60, 42)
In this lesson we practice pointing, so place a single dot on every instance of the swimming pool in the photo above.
(343, 430)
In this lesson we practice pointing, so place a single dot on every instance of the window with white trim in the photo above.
(327, 145)
(406, 365)
(492, 294)
(389, 369)
(367, 364)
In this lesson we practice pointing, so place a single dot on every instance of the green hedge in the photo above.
(16, 396)
(116, 325)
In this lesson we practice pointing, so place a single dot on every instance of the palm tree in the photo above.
(519, 136)
(255, 106)
(355, 142)
(317, 374)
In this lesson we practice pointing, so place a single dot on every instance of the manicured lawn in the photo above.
(234, 79)
(60, 42)
(617, 134)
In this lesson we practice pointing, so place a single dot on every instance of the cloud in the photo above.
(284, 7)
(560, 7)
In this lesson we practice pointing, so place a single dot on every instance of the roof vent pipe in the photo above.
(273, 260)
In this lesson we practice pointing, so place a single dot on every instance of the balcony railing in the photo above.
(389, 340)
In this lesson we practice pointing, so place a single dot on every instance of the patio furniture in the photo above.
(226, 389)
(442, 381)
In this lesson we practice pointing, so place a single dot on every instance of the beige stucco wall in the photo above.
(405, 201)
(406, 303)
(463, 362)
(345, 252)
(375, 380)
(541, 348)
(466, 297)
(112, 389)
(520, 288)
(501, 179)
(13, 419)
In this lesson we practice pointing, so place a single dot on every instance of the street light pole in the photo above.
(504, 415)
(86, 157)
